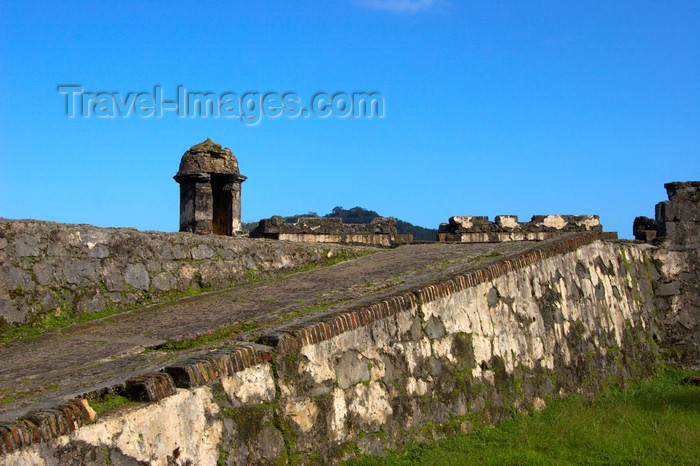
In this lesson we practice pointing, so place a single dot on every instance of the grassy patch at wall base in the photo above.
(653, 422)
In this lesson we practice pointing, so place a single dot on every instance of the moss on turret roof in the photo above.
(208, 146)
(208, 157)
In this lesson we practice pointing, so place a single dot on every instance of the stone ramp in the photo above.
(44, 371)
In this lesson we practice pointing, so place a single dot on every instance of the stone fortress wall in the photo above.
(55, 270)
(572, 316)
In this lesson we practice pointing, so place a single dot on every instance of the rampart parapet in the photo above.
(474, 229)
(381, 231)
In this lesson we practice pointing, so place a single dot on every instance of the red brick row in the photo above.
(214, 365)
(149, 387)
(42, 425)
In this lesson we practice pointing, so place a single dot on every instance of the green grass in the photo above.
(212, 337)
(51, 323)
(48, 323)
(344, 255)
(653, 422)
(254, 276)
(109, 402)
(306, 310)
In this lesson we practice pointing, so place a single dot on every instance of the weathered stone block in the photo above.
(351, 368)
(682, 211)
(252, 385)
(507, 222)
(434, 328)
(668, 289)
(170, 251)
(16, 279)
(154, 266)
(26, 245)
(642, 224)
(10, 310)
(164, 281)
(90, 304)
(98, 251)
(79, 271)
(687, 190)
(43, 272)
(201, 252)
(136, 276)
(50, 300)
(113, 280)
(57, 248)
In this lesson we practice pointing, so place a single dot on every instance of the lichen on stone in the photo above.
(212, 148)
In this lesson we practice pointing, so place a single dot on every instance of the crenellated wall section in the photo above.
(474, 229)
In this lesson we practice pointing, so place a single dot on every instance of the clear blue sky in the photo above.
(522, 107)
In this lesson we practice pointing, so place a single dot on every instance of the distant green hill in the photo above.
(419, 233)
(360, 215)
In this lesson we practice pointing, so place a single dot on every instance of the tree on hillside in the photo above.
(354, 215)
(361, 215)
